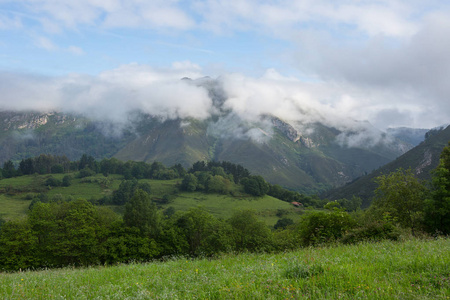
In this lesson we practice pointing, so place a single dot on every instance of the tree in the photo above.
(57, 169)
(141, 213)
(87, 162)
(350, 205)
(218, 184)
(180, 171)
(249, 233)
(320, 227)
(402, 196)
(9, 170)
(67, 233)
(110, 166)
(26, 166)
(437, 207)
(204, 234)
(125, 192)
(255, 185)
(189, 183)
(17, 245)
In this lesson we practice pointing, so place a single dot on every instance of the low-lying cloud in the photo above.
(112, 95)
(240, 104)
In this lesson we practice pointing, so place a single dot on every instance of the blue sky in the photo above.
(383, 61)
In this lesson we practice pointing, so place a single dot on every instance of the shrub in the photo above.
(86, 172)
(67, 180)
(283, 223)
(53, 182)
(373, 231)
(321, 227)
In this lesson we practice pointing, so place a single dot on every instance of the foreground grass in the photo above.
(414, 269)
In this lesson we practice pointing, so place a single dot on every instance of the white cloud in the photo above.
(7, 22)
(385, 61)
(55, 15)
(45, 43)
(112, 94)
(75, 50)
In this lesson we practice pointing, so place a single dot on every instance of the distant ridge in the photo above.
(422, 159)
(309, 158)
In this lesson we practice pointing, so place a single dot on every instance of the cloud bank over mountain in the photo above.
(322, 61)
(114, 94)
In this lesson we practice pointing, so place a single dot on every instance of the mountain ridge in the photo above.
(309, 160)
(422, 159)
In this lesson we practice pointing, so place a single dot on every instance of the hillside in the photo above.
(29, 134)
(422, 159)
(16, 195)
(305, 157)
(413, 136)
(307, 162)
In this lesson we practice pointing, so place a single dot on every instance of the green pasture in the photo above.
(223, 206)
(16, 194)
(413, 269)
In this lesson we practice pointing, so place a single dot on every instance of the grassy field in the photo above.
(18, 193)
(414, 269)
(223, 206)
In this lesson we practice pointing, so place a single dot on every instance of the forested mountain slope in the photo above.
(306, 157)
(422, 159)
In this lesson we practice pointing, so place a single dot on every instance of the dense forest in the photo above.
(59, 232)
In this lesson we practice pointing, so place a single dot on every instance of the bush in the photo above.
(53, 182)
(86, 172)
(283, 223)
(373, 231)
(67, 180)
(322, 227)
(249, 233)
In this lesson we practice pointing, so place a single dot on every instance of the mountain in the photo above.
(309, 158)
(422, 159)
(413, 136)
(28, 134)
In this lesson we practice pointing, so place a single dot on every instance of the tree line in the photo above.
(87, 166)
(210, 177)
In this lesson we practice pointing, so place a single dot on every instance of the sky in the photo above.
(386, 62)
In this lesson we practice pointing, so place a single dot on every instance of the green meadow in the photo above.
(411, 269)
(19, 191)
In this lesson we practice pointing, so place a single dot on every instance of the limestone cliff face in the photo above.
(30, 120)
(292, 134)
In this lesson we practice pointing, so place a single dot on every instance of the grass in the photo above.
(13, 207)
(223, 206)
(414, 269)
(13, 203)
